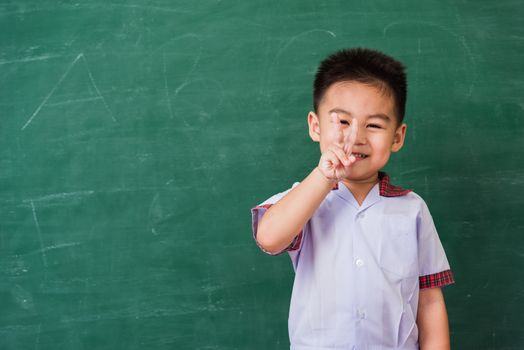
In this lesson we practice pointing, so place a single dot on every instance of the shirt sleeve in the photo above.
(259, 211)
(433, 263)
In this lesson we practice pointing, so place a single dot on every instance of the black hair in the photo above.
(365, 66)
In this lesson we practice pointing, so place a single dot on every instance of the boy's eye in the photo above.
(344, 122)
(375, 126)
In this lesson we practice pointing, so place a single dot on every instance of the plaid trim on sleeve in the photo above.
(295, 243)
(439, 279)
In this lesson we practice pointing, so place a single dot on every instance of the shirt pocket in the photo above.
(398, 246)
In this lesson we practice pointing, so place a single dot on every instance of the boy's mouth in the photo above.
(359, 155)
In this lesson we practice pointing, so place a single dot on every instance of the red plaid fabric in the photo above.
(386, 189)
(439, 279)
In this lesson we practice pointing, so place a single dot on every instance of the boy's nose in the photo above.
(361, 136)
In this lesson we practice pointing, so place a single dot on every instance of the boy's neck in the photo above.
(361, 188)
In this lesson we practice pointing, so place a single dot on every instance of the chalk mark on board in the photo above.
(188, 74)
(44, 257)
(295, 37)
(166, 86)
(415, 170)
(96, 88)
(176, 38)
(60, 81)
(78, 100)
(190, 137)
(473, 63)
(23, 298)
(63, 195)
(66, 73)
(97, 7)
(287, 45)
(170, 49)
(38, 332)
(53, 247)
(187, 83)
(140, 7)
(460, 38)
(29, 59)
(197, 58)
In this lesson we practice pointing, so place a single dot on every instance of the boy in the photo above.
(369, 265)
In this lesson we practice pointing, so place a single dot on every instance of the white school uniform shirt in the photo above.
(359, 268)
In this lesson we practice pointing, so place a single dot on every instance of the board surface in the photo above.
(136, 136)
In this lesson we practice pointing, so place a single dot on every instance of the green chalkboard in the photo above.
(136, 135)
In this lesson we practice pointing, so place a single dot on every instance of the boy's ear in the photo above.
(398, 139)
(314, 126)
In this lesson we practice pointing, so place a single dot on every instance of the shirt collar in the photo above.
(386, 189)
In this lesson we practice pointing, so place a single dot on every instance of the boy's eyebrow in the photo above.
(383, 116)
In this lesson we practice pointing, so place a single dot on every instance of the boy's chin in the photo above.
(362, 178)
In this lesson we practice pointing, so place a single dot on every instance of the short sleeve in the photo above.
(433, 264)
(259, 211)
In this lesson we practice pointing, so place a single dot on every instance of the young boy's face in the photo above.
(378, 131)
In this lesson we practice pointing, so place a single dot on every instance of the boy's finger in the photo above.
(331, 158)
(338, 134)
(339, 153)
(351, 137)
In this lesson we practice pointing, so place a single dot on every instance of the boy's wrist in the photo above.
(325, 180)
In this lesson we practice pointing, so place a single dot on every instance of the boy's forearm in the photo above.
(432, 321)
(284, 220)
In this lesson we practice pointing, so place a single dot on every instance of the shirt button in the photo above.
(359, 262)
(361, 314)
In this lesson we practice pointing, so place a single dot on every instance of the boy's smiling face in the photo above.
(378, 131)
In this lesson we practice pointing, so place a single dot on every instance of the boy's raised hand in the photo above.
(335, 162)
